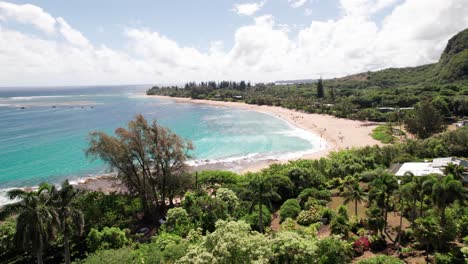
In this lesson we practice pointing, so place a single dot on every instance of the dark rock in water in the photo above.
(82, 107)
(54, 106)
(23, 107)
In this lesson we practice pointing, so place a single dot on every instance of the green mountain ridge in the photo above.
(452, 67)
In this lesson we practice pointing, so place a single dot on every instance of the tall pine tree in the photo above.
(320, 91)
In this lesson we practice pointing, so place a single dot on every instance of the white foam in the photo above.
(21, 98)
(3, 196)
(318, 144)
(255, 157)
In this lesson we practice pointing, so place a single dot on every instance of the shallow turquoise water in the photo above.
(46, 140)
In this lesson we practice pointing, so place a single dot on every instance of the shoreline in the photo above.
(338, 134)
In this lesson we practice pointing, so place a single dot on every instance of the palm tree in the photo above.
(382, 188)
(354, 193)
(71, 219)
(423, 186)
(36, 218)
(406, 192)
(262, 193)
(375, 219)
(454, 169)
(446, 191)
(409, 191)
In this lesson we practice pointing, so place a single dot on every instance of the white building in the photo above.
(436, 166)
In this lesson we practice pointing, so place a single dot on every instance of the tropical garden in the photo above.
(340, 209)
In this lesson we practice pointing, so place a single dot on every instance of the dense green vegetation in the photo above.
(444, 84)
(224, 217)
(283, 214)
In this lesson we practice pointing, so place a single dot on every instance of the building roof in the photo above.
(425, 168)
(419, 169)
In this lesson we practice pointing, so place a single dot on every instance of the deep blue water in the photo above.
(46, 140)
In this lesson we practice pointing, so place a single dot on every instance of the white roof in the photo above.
(419, 169)
(443, 162)
(424, 168)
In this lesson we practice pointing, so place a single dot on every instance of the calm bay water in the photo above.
(46, 140)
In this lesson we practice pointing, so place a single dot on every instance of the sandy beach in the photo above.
(338, 133)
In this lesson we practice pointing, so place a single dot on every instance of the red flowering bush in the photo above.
(361, 245)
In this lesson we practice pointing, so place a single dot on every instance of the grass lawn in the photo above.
(337, 201)
(384, 134)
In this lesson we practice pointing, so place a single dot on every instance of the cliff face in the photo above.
(453, 64)
(452, 67)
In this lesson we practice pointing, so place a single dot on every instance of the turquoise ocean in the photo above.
(43, 131)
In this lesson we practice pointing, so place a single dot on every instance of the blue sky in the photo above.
(190, 23)
(115, 42)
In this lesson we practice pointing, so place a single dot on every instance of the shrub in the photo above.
(340, 226)
(163, 240)
(291, 247)
(462, 226)
(361, 245)
(252, 218)
(231, 242)
(230, 198)
(7, 238)
(313, 215)
(108, 238)
(217, 178)
(381, 259)
(178, 222)
(343, 211)
(289, 209)
(377, 243)
(165, 248)
(204, 209)
(101, 210)
(112, 256)
(288, 225)
(327, 213)
(444, 259)
(332, 250)
(323, 196)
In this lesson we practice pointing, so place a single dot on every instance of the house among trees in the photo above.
(436, 166)
(462, 123)
(392, 109)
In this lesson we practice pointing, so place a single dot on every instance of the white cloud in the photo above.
(71, 35)
(248, 9)
(28, 14)
(297, 3)
(413, 33)
(365, 7)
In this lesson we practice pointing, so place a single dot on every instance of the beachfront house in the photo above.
(436, 166)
